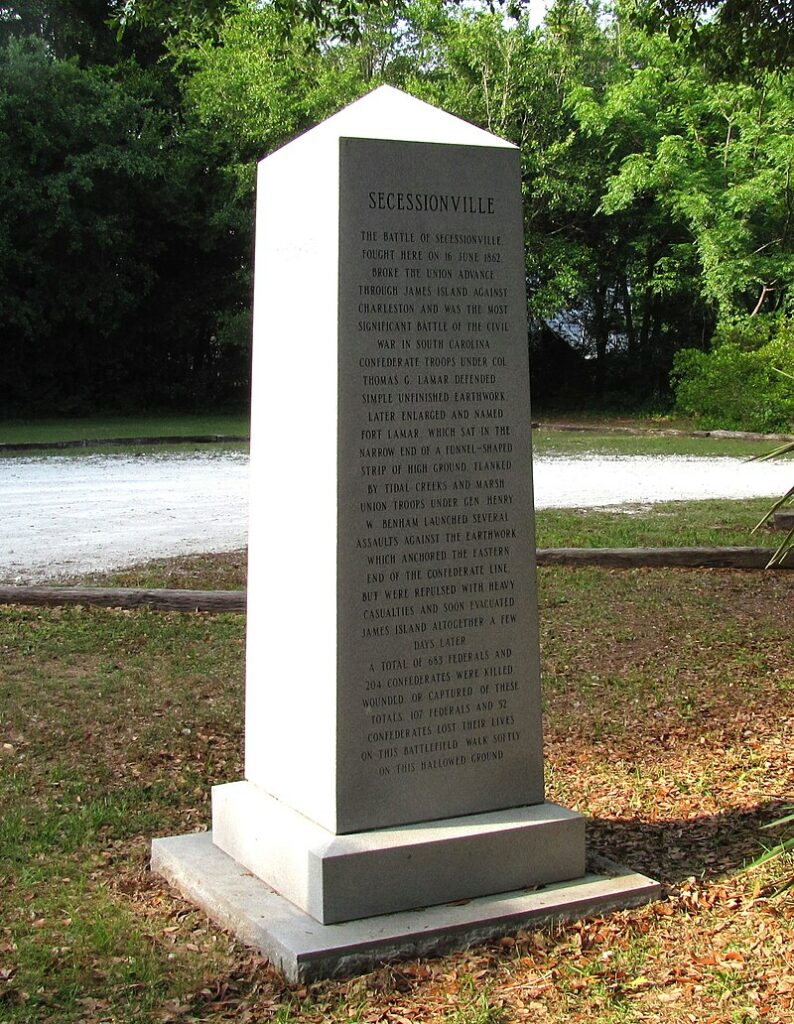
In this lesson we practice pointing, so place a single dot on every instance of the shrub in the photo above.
(735, 386)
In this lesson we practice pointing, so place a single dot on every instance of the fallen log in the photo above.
(783, 520)
(127, 442)
(121, 597)
(723, 435)
(235, 600)
(661, 558)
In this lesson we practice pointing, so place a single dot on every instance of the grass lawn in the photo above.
(712, 523)
(599, 417)
(97, 427)
(671, 524)
(548, 442)
(668, 720)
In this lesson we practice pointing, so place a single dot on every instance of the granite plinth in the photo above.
(343, 877)
(304, 950)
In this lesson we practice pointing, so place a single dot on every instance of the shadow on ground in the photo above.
(707, 847)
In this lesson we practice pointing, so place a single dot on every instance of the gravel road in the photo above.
(64, 516)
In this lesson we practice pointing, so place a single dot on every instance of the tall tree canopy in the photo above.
(117, 258)
(737, 36)
(656, 180)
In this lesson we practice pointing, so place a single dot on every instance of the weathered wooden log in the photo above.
(235, 600)
(783, 520)
(120, 597)
(632, 558)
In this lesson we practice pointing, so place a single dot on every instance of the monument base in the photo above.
(304, 950)
(338, 878)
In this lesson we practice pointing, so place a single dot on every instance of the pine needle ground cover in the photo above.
(668, 721)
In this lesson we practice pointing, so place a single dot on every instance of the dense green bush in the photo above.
(738, 387)
(122, 243)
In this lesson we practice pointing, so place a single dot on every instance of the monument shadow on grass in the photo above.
(672, 850)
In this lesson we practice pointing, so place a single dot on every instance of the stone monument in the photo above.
(393, 749)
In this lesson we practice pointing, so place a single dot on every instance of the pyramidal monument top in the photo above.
(391, 114)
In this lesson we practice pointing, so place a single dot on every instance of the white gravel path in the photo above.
(62, 516)
(599, 481)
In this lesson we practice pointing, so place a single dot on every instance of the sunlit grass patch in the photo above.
(710, 523)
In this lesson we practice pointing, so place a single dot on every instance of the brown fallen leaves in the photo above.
(668, 722)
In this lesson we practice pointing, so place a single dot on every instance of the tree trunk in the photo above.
(600, 335)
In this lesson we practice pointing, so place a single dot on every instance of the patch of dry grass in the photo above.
(668, 704)
(225, 571)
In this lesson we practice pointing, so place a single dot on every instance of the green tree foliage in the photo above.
(738, 384)
(657, 186)
(83, 29)
(723, 170)
(256, 88)
(622, 282)
(736, 37)
(111, 268)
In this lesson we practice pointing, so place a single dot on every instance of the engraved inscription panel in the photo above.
(438, 681)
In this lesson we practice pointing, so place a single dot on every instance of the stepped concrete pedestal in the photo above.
(363, 874)
(305, 950)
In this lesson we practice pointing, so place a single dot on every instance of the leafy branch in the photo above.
(787, 544)
(785, 845)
